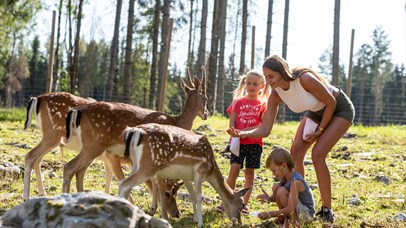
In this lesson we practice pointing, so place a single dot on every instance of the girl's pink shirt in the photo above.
(248, 114)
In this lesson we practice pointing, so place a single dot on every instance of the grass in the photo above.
(357, 164)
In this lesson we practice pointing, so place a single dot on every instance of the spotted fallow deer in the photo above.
(173, 153)
(51, 110)
(100, 126)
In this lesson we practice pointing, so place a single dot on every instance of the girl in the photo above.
(292, 194)
(246, 111)
(304, 90)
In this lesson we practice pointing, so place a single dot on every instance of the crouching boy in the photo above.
(292, 194)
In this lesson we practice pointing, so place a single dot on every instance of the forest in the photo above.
(130, 66)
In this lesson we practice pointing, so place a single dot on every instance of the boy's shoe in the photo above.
(245, 210)
(326, 214)
(220, 208)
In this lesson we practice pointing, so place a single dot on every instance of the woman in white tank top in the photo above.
(328, 108)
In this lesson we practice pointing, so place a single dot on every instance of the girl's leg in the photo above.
(233, 175)
(299, 148)
(249, 182)
(333, 133)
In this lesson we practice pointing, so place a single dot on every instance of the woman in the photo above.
(304, 90)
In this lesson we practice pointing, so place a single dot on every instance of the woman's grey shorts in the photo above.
(344, 109)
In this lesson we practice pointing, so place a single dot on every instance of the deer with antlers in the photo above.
(100, 126)
(174, 153)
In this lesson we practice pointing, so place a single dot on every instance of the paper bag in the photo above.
(235, 146)
(310, 127)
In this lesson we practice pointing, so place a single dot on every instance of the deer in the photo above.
(99, 126)
(171, 152)
(51, 110)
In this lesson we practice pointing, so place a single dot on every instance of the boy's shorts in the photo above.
(251, 153)
(303, 213)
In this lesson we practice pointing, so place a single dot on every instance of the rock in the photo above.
(354, 200)
(90, 209)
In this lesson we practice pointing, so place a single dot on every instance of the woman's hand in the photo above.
(234, 132)
(313, 136)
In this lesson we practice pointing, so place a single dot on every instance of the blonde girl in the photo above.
(246, 111)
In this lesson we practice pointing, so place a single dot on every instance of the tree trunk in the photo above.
(190, 49)
(113, 71)
(268, 29)
(221, 74)
(152, 84)
(128, 53)
(243, 36)
(164, 35)
(213, 57)
(77, 41)
(70, 49)
(336, 43)
(285, 32)
(57, 75)
(201, 57)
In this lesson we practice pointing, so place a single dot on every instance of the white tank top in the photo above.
(298, 99)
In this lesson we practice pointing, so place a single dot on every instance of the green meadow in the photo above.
(367, 168)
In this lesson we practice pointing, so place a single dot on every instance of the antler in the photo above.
(189, 78)
(204, 79)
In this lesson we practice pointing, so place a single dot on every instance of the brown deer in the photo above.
(100, 126)
(50, 110)
(174, 153)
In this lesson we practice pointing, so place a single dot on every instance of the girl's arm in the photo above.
(312, 85)
(266, 122)
(232, 119)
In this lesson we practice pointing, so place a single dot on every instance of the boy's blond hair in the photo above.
(279, 156)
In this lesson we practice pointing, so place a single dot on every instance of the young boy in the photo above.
(292, 194)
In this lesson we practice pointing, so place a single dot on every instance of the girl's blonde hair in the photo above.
(279, 156)
(240, 90)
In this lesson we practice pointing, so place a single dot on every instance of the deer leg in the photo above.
(125, 185)
(81, 161)
(191, 190)
(153, 191)
(160, 182)
(33, 160)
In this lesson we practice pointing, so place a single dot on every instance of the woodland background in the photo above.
(129, 66)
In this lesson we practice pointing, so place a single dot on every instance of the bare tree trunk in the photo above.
(77, 41)
(336, 43)
(221, 74)
(232, 60)
(378, 93)
(70, 49)
(243, 36)
(57, 75)
(201, 57)
(113, 71)
(152, 84)
(285, 30)
(190, 49)
(128, 53)
(164, 35)
(213, 57)
(268, 29)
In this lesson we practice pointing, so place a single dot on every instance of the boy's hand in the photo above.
(264, 215)
(264, 197)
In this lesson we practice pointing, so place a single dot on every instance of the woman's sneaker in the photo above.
(326, 214)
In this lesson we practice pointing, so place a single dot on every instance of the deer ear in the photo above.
(242, 192)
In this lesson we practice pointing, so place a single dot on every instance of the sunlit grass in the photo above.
(355, 164)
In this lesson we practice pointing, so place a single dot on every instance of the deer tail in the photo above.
(72, 120)
(132, 138)
(31, 108)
